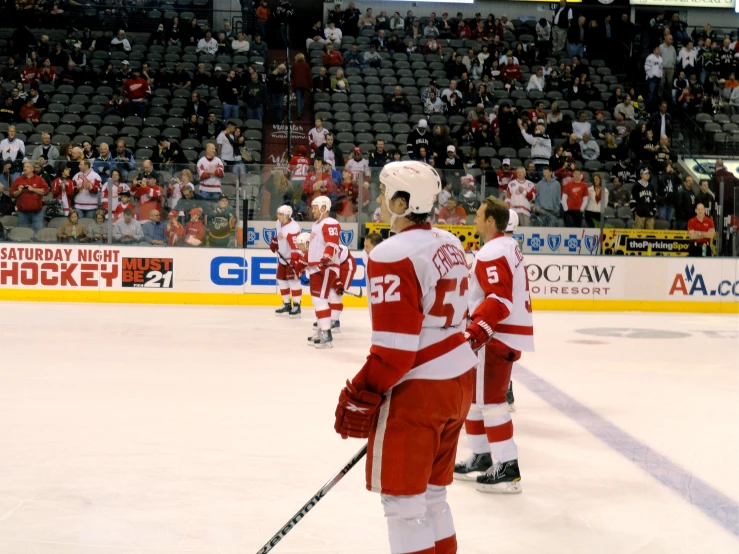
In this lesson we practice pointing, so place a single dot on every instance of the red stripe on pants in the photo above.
(500, 433)
(474, 427)
(447, 545)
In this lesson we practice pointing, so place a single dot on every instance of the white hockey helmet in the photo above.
(322, 202)
(303, 238)
(419, 180)
(512, 222)
(285, 210)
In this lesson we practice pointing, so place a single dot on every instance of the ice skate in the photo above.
(284, 311)
(502, 478)
(509, 398)
(336, 327)
(295, 313)
(472, 467)
(314, 337)
(324, 339)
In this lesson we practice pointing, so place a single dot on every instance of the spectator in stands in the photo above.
(196, 106)
(433, 105)
(354, 58)
(120, 42)
(541, 145)
(29, 190)
(576, 37)
(111, 188)
(328, 151)
(372, 57)
(574, 199)
(548, 200)
(625, 108)
(654, 75)
(127, 230)
(589, 149)
(259, 47)
(582, 125)
(46, 150)
(339, 83)
(283, 18)
(452, 167)
(397, 102)
(367, 20)
(179, 78)
(226, 147)
(668, 186)
(137, 91)
(380, 156)
(255, 97)
(154, 229)
(685, 204)
(418, 138)
(40, 169)
(8, 111)
(87, 184)
(276, 87)
(263, 15)
(451, 90)
(597, 200)
(701, 231)
(97, 231)
(317, 34)
(331, 33)
(194, 229)
(207, 44)
(71, 230)
(332, 57)
(396, 22)
(537, 81)
(706, 197)
(520, 196)
(228, 94)
(210, 171)
(126, 203)
(451, 213)
(124, 158)
(644, 201)
(12, 151)
(322, 82)
(317, 183)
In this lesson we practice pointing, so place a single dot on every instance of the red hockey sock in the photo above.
(500, 433)
(447, 545)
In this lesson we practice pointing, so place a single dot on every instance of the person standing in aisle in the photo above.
(283, 18)
(276, 85)
(643, 202)
(411, 396)
(561, 22)
(501, 328)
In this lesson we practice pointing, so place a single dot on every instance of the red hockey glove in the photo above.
(273, 246)
(204, 175)
(339, 288)
(326, 260)
(298, 263)
(356, 412)
(478, 333)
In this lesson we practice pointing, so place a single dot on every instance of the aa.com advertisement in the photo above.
(715, 280)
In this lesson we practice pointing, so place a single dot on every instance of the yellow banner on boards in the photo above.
(466, 233)
(646, 242)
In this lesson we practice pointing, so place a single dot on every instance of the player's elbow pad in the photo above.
(491, 311)
(378, 375)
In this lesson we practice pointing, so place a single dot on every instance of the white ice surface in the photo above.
(168, 429)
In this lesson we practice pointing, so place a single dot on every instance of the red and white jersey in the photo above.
(317, 137)
(498, 275)
(286, 235)
(210, 173)
(324, 239)
(299, 168)
(360, 170)
(116, 192)
(86, 197)
(343, 254)
(417, 283)
(520, 195)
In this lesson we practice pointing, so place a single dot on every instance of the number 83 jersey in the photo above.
(417, 287)
(498, 274)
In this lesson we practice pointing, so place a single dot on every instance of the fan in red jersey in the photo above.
(501, 327)
(415, 389)
(284, 245)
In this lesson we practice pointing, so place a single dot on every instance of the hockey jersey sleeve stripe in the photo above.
(396, 341)
(514, 329)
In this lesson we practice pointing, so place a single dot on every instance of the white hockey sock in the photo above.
(296, 290)
(440, 515)
(284, 291)
(409, 528)
(323, 313)
(499, 432)
(475, 429)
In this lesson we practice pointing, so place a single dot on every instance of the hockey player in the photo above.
(284, 245)
(347, 269)
(412, 394)
(500, 309)
(509, 230)
(322, 268)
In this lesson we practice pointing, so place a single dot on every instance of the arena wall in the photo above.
(77, 273)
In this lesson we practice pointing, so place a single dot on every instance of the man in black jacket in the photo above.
(644, 202)
(685, 204)
(7, 206)
(398, 102)
(283, 17)
(418, 138)
(668, 186)
(576, 37)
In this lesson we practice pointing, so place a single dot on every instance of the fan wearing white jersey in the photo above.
(501, 327)
(411, 396)
(210, 171)
(322, 267)
(283, 244)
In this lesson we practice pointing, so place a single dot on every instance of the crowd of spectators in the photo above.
(540, 116)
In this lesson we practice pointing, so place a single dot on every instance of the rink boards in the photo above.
(77, 273)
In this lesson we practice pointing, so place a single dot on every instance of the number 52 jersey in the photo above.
(499, 273)
(418, 287)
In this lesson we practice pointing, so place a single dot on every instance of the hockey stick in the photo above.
(313, 501)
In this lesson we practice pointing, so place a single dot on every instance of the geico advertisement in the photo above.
(566, 277)
(695, 279)
(257, 273)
